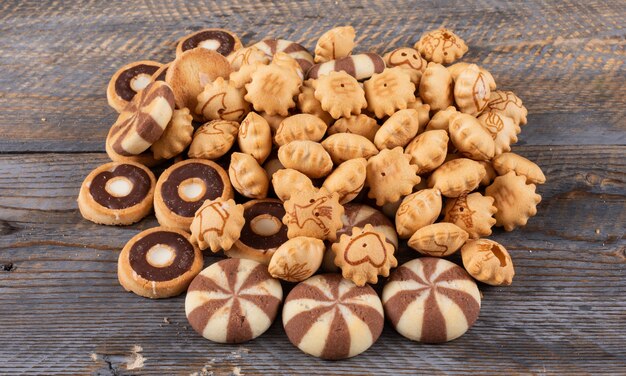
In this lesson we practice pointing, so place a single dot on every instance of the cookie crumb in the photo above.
(166, 320)
(43, 119)
(597, 231)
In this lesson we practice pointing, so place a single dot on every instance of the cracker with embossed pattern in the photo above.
(441, 46)
(347, 179)
(398, 130)
(286, 181)
(176, 137)
(472, 212)
(345, 146)
(471, 138)
(308, 157)
(340, 94)
(502, 128)
(417, 210)
(438, 240)
(272, 89)
(409, 59)
(255, 137)
(213, 139)
(428, 150)
(308, 104)
(389, 91)
(457, 176)
(297, 259)
(300, 127)
(390, 175)
(515, 200)
(506, 162)
(436, 87)
(471, 90)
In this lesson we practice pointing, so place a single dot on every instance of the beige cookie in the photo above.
(390, 176)
(247, 176)
(457, 177)
(217, 224)
(441, 46)
(283, 60)
(470, 138)
(488, 262)
(345, 146)
(436, 87)
(221, 100)
(308, 157)
(287, 181)
(247, 56)
(272, 89)
(423, 113)
(297, 259)
(362, 125)
(471, 90)
(243, 76)
(213, 139)
(389, 91)
(255, 137)
(347, 180)
(340, 94)
(409, 59)
(417, 210)
(336, 43)
(521, 166)
(515, 200)
(441, 120)
(502, 128)
(472, 212)
(308, 104)
(300, 127)
(428, 150)
(508, 104)
(313, 214)
(456, 69)
(438, 239)
(364, 255)
(176, 137)
(398, 130)
(490, 173)
(273, 120)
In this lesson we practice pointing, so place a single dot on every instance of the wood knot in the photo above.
(8, 267)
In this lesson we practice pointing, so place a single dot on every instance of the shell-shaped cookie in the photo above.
(471, 138)
(438, 239)
(458, 176)
(488, 262)
(441, 120)
(347, 180)
(515, 200)
(508, 104)
(246, 56)
(217, 224)
(390, 175)
(364, 255)
(389, 91)
(362, 125)
(345, 146)
(472, 212)
(471, 90)
(456, 69)
(308, 104)
(417, 210)
(436, 87)
(409, 59)
(313, 214)
(340, 94)
(336, 43)
(521, 166)
(308, 157)
(297, 259)
(176, 137)
(441, 46)
(300, 127)
(272, 89)
(247, 176)
(255, 137)
(502, 128)
(428, 150)
(221, 100)
(213, 139)
(398, 130)
(287, 181)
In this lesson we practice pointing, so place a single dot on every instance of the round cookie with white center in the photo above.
(219, 40)
(233, 301)
(183, 187)
(117, 193)
(431, 300)
(331, 318)
(128, 81)
(263, 231)
(159, 263)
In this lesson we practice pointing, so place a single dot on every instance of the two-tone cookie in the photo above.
(128, 81)
(159, 263)
(219, 40)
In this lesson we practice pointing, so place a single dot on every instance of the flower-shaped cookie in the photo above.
(247, 176)
(515, 200)
(176, 137)
(389, 91)
(213, 139)
(217, 224)
(438, 240)
(272, 89)
(441, 46)
(308, 104)
(313, 214)
(390, 175)
(334, 44)
(488, 262)
(221, 100)
(472, 212)
(340, 94)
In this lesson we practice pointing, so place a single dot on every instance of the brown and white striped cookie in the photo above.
(143, 120)
(331, 318)
(233, 301)
(361, 66)
(295, 50)
(128, 81)
(431, 300)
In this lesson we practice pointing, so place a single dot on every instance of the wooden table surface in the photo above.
(63, 311)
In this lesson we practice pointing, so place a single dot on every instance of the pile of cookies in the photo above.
(292, 163)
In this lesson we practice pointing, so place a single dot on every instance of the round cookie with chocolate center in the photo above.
(331, 318)
(183, 187)
(128, 81)
(219, 40)
(159, 263)
(263, 231)
(117, 193)
(431, 300)
(233, 301)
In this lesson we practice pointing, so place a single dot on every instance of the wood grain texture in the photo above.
(62, 310)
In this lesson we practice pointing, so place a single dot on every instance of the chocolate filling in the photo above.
(183, 259)
(256, 241)
(138, 177)
(226, 41)
(210, 177)
(122, 84)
